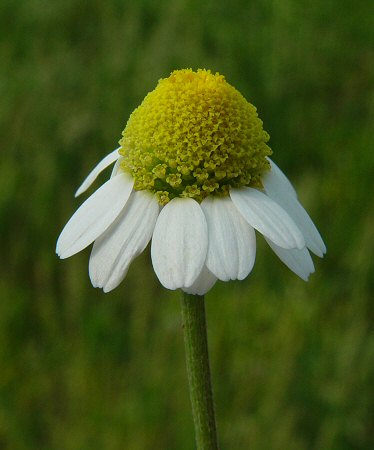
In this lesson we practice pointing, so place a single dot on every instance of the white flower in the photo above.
(193, 175)
(193, 244)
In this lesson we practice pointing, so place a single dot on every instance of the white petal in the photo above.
(179, 243)
(267, 217)
(278, 180)
(232, 241)
(299, 261)
(94, 216)
(293, 207)
(125, 239)
(116, 167)
(103, 164)
(205, 281)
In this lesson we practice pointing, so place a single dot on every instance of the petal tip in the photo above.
(300, 242)
(65, 254)
(78, 192)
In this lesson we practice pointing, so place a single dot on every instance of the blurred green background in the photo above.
(292, 362)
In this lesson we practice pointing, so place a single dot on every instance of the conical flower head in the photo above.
(194, 135)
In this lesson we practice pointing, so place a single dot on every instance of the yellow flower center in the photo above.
(193, 136)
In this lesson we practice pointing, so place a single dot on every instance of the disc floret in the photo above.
(194, 135)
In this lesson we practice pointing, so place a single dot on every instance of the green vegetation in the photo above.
(292, 362)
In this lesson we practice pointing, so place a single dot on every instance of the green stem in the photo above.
(197, 360)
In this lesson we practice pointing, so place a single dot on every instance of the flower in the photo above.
(193, 175)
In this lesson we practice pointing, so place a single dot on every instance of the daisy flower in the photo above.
(192, 175)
